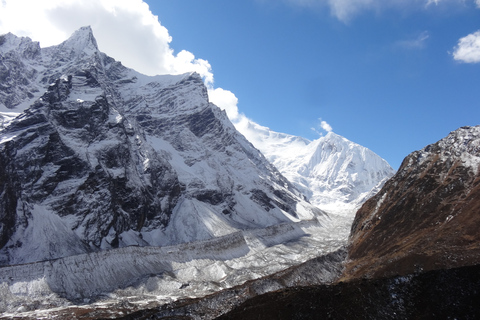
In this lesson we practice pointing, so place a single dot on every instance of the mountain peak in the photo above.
(81, 41)
(334, 173)
(28, 48)
(332, 136)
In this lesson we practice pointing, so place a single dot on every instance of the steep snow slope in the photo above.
(334, 173)
(108, 158)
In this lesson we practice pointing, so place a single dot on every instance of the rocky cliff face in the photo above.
(105, 157)
(18, 58)
(426, 217)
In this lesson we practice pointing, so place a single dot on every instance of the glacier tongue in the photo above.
(157, 275)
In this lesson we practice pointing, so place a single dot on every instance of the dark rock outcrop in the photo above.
(439, 294)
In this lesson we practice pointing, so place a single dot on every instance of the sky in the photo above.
(393, 76)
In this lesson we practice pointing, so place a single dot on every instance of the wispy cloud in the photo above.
(468, 48)
(429, 2)
(437, 2)
(345, 10)
(416, 42)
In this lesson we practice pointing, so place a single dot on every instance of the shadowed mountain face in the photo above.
(426, 217)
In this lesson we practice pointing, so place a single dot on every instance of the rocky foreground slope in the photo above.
(438, 294)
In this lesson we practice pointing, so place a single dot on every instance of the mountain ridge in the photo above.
(434, 231)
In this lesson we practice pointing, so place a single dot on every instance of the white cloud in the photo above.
(468, 48)
(225, 100)
(185, 62)
(325, 126)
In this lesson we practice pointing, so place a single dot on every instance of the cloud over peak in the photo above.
(325, 126)
(125, 29)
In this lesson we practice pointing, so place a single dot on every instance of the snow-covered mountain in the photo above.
(334, 173)
(104, 157)
(116, 184)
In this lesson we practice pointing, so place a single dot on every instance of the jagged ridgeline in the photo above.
(103, 157)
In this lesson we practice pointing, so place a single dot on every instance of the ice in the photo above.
(191, 269)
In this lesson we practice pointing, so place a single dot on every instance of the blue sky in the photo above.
(393, 75)
(385, 79)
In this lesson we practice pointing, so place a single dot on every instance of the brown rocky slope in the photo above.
(414, 248)
(426, 217)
